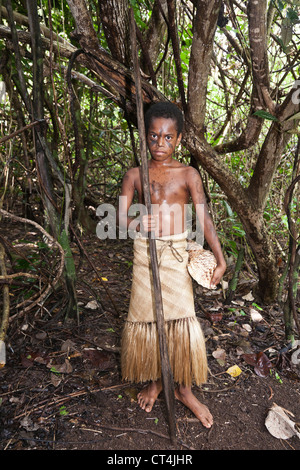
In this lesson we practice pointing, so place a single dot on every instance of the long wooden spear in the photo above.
(167, 377)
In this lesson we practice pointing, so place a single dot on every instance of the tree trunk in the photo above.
(204, 27)
(115, 22)
(154, 37)
(257, 21)
(251, 218)
(263, 250)
(42, 159)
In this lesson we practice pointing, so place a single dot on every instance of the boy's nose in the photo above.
(160, 141)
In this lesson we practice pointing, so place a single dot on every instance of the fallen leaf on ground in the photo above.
(92, 305)
(255, 315)
(249, 297)
(243, 347)
(261, 363)
(247, 327)
(28, 424)
(279, 424)
(31, 357)
(102, 360)
(220, 355)
(234, 371)
(238, 302)
(64, 368)
(214, 316)
(55, 379)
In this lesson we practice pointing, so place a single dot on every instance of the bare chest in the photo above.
(167, 188)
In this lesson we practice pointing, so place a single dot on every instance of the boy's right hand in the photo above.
(148, 223)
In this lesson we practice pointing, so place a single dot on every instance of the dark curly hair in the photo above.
(164, 110)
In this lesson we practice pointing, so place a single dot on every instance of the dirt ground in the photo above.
(61, 387)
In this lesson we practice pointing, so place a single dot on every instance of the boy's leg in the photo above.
(146, 398)
(186, 396)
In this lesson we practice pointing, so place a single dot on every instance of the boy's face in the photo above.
(162, 138)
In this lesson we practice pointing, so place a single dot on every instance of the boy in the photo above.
(172, 184)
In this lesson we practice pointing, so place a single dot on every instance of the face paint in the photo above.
(162, 138)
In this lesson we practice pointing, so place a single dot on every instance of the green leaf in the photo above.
(257, 306)
(63, 411)
(228, 208)
(292, 15)
(265, 115)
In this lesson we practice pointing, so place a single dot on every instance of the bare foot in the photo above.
(146, 398)
(186, 396)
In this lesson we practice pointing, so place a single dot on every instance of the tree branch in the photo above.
(53, 242)
(272, 148)
(256, 12)
(175, 43)
(115, 22)
(249, 135)
(14, 36)
(205, 24)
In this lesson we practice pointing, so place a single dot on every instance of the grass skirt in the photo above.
(140, 356)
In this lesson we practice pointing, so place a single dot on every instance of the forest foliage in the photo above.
(233, 68)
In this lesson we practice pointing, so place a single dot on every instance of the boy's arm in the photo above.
(129, 185)
(125, 200)
(199, 200)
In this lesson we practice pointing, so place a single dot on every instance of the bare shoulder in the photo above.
(187, 170)
(192, 175)
(177, 164)
(188, 174)
(194, 184)
(130, 181)
(131, 173)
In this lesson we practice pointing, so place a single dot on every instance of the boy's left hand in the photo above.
(217, 275)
